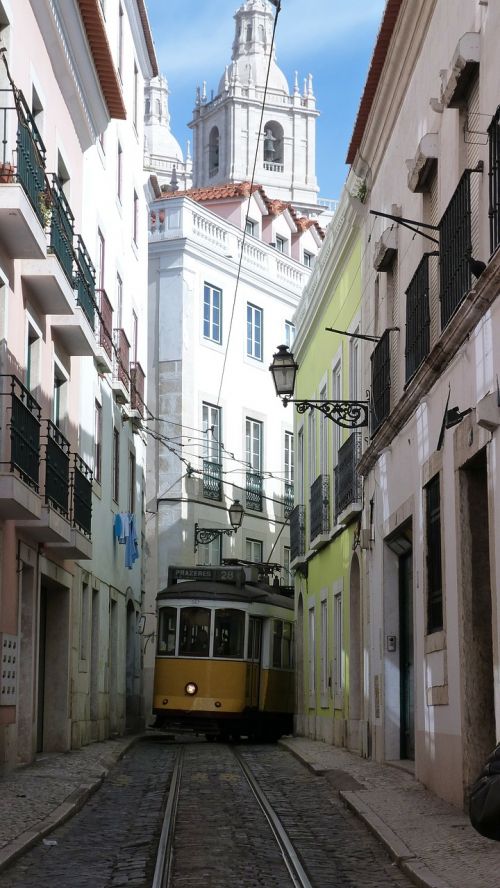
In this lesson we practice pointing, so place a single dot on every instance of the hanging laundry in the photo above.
(121, 526)
(132, 545)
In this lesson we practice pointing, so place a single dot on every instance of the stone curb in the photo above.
(71, 805)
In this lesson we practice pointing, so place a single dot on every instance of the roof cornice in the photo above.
(95, 29)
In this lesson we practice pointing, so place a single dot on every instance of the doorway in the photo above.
(355, 660)
(406, 658)
(52, 733)
(399, 656)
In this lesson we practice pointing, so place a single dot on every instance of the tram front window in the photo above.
(229, 634)
(167, 630)
(194, 637)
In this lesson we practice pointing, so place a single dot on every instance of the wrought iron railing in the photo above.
(85, 283)
(122, 358)
(137, 378)
(57, 469)
(347, 479)
(417, 318)
(288, 498)
(381, 381)
(30, 150)
(254, 491)
(24, 425)
(494, 180)
(455, 247)
(81, 495)
(297, 532)
(61, 228)
(105, 322)
(212, 480)
(319, 507)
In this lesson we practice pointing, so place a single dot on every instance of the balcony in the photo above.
(288, 499)
(297, 536)
(212, 480)
(455, 246)
(79, 545)
(348, 491)
(20, 451)
(104, 355)
(53, 526)
(319, 512)
(22, 180)
(78, 330)
(381, 381)
(137, 378)
(253, 491)
(417, 318)
(494, 180)
(120, 382)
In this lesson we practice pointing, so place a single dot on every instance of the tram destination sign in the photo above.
(234, 575)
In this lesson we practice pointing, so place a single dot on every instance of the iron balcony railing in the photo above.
(57, 460)
(288, 498)
(347, 479)
(455, 248)
(137, 378)
(212, 480)
(494, 180)
(61, 228)
(417, 318)
(122, 358)
(381, 381)
(319, 507)
(27, 164)
(297, 532)
(105, 323)
(85, 283)
(81, 495)
(254, 491)
(24, 426)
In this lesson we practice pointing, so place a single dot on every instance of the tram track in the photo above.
(164, 862)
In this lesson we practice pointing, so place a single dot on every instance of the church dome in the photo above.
(253, 35)
(159, 139)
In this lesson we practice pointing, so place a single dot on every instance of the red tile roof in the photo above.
(148, 37)
(382, 44)
(95, 28)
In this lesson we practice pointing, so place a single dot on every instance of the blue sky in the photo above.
(331, 39)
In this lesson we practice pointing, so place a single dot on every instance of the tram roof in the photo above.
(207, 590)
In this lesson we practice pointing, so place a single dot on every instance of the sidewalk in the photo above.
(37, 798)
(432, 841)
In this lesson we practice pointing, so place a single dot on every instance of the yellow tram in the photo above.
(224, 655)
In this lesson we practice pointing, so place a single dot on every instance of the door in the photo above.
(406, 663)
(42, 637)
(254, 652)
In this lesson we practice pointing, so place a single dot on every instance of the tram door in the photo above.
(254, 654)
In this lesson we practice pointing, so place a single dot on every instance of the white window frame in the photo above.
(282, 244)
(311, 654)
(300, 466)
(337, 396)
(354, 367)
(210, 313)
(255, 332)
(289, 333)
(210, 553)
(33, 376)
(254, 547)
(324, 424)
(211, 418)
(254, 443)
(308, 259)
(338, 645)
(324, 662)
(311, 446)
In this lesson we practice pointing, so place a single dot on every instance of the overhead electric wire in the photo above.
(238, 274)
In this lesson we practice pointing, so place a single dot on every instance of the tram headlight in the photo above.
(191, 688)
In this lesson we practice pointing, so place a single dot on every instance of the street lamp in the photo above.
(206, 535)
(347, 414)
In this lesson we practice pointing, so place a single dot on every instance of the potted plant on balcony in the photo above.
(45, 204)
(6, 172)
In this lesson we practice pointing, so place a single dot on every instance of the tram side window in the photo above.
(194, 637)
(254, 638)
(167, 630)
(282, 644)
(229, 634)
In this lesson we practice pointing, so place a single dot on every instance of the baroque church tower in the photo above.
(162, 152)
(225, 127)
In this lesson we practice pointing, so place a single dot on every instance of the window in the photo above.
(213, 152)
(119, 171)
(254, 551)
(135, 325)
(253, 444)
(251, 227)
(211, 427)
(135, 227)
(289, 333)
(282, 644)
(323, 436)
(32, 357)
(101, 252)
(289, 457)
(37, 109)
(167, 631)
(281, 244)
(59, 395)
(287, 573)
(131, 479)
(212, 313)
(62, 174)
(120, 41)
(210, 553)
(229, 633)
(434, 566)
(84, 622)
(254, 332)
(308, 259)
(338, 642)
(354, 367)
(300, 465)
(311, 429)
(273, 146)
(119, 301)
(324, 647)
(116, 465)
(311, 657)
(136, 96)
(336, 396)
(194, 634)
(98, 442)
(254, 638)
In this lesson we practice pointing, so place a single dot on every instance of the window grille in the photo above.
(417, 318)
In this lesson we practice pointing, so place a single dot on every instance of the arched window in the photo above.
(261, 34)
(158, 107)
(249, 34)
(273, 146)
(213, 152)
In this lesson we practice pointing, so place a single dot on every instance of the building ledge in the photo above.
(456, 80)
(52, 527)
(350, 513)
(421, 167)
(48, 285)
(21, 234)
(386, 249)
(79, 547)
(320, 541)
(17, 499)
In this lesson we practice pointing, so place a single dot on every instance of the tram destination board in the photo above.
(234, 575)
